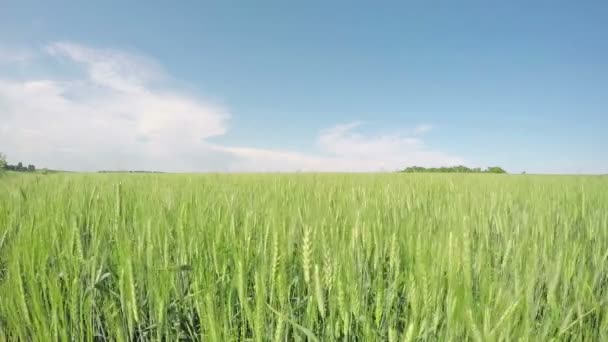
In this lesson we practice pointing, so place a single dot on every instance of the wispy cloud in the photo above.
(16, 56)
(423, 128)
(342, 148)
(117, 110)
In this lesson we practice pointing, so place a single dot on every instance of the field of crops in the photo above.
(284, 257)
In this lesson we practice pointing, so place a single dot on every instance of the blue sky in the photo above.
(316, 85)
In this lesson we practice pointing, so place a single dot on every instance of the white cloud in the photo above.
(116, 111)
(112, 116)
(344, 149)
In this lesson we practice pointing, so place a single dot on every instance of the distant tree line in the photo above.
(18, 168)
(453, 169)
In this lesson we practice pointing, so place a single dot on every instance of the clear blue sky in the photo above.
(521, 84)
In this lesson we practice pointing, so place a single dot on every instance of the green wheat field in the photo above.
(303, 257)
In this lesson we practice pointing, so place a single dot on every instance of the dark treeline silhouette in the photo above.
(4, 166)
(453, 169)
(20, 167)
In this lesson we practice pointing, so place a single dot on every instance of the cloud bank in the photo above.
(116, 110)
(343, 149)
